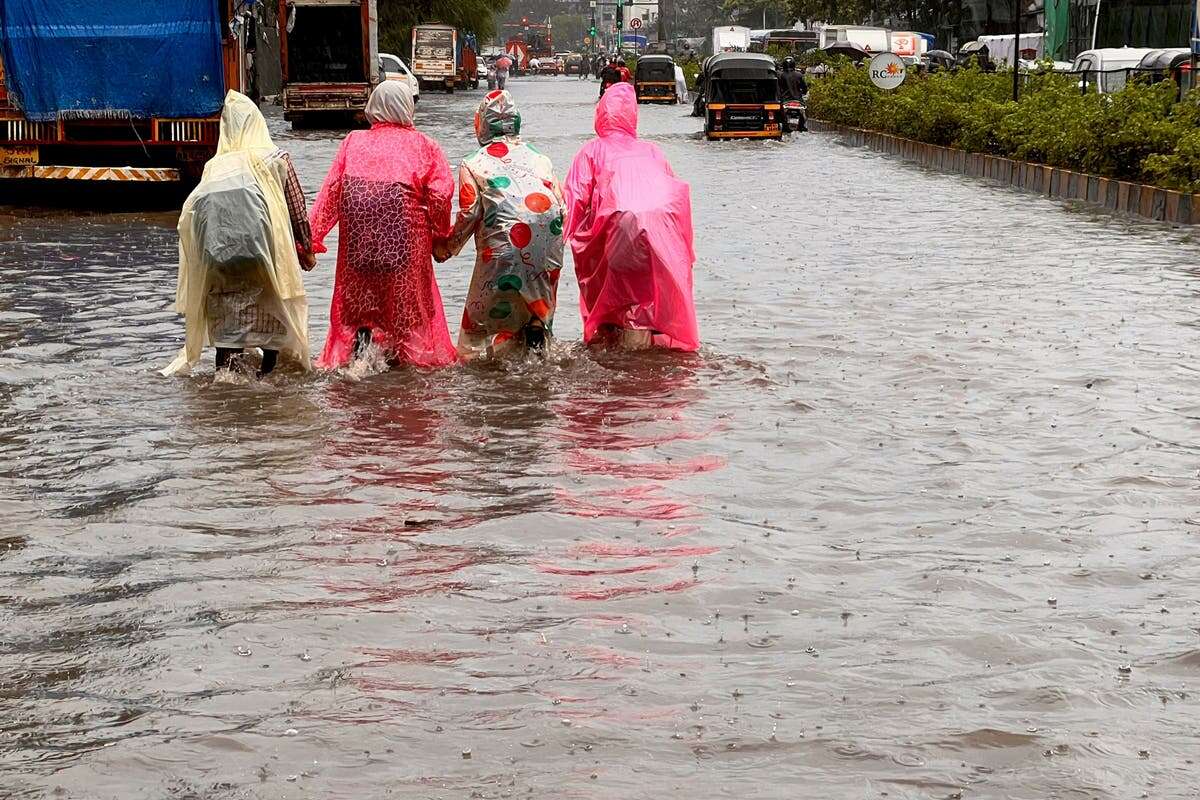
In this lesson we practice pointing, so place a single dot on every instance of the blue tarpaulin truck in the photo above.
(114, 90)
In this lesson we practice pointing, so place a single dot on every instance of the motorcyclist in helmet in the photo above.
(610, 75)
(791, 82)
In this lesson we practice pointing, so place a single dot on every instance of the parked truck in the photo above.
(114, 91)
(436, 52)
(329, 54)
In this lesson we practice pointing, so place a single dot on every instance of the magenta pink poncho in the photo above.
(629, 222)
(390, 192)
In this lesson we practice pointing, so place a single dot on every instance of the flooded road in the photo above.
(920, 521)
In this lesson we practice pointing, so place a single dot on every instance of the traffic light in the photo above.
(592, 32)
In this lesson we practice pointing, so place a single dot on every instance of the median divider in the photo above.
(1122, 197)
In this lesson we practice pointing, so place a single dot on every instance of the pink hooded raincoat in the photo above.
(629, 222)
(390, 191)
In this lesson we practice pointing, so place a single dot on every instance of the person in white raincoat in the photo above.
(239, 260)
(681, 84)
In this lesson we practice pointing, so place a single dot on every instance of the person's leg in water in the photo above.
(225, 356)
(615, 337)
(269, 359)
(535, 336)
(362, 340)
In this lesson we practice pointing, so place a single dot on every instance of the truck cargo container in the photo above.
(329, 54)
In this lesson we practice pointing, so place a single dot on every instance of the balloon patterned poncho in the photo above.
(256, 243)
(629, 222)
(390, 191)
(510, 200)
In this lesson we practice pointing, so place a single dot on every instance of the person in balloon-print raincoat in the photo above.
(511, 203)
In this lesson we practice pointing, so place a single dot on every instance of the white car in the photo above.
(393, 68)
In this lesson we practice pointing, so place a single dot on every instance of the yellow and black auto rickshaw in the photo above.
(655, 80)
(741, 97)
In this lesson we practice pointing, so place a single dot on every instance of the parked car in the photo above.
(393, 68)
(1106, 70)
(573, 64)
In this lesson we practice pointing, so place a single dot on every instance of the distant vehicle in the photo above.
(730, 39)
(573, 64)
(795, 42)
(1174, 63)
(433, 56)
(873, 40)
(1106, 70)
(329, 58)
(545, 66)
(741, 97)
(655, 80)
(393, 68)
(909, 45)
(1000, 48)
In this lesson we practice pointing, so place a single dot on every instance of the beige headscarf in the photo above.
(392, 101)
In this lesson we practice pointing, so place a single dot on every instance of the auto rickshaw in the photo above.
(741, 97)
(655, 80)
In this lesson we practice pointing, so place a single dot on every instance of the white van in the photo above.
(1105, 70)
(873, 40)
(393, 68)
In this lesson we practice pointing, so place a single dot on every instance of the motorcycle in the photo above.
(794, 115)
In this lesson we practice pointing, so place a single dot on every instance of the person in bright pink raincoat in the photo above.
(390, 191)
(629, 223)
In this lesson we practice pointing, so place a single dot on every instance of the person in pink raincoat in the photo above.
(629, 223)
(390, 192)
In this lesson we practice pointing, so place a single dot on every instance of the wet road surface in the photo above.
(920, 521)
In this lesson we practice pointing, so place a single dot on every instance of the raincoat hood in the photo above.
(497, 117)
(243, 127)
(391, 102)
(617, 112)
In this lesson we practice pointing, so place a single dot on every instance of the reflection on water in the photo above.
(917, 523)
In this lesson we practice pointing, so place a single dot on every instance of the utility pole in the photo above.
(1016, 50)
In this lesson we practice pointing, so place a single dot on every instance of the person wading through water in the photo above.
(389, 191)
(243, 237)
(510, 202)
(629, 223)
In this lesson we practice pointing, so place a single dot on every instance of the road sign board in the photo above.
(635, 23)
(587, 40)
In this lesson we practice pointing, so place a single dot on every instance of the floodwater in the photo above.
(920, 521)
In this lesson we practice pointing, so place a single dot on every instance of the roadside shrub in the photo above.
(1141, 133)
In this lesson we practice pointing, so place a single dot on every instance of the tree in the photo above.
(568, 30)
(751, 13)
(397, 18)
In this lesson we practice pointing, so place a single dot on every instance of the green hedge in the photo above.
(1138, 134)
